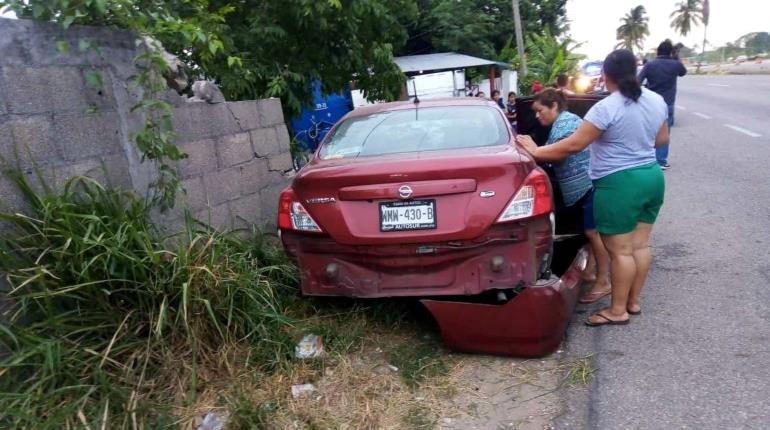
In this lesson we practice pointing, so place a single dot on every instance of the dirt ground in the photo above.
(503, 393)
(403, 377)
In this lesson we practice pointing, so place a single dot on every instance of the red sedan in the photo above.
(434, 199)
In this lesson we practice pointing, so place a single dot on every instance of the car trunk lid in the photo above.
(466, 191)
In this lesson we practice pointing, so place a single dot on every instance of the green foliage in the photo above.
(758, 43)
(154, 139)
(100, 304)
(285, 45)
(479, 27)
(633, 30)
(256, 48)
(547, 58)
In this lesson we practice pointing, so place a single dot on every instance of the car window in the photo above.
(413, 130)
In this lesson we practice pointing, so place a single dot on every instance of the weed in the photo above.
(419, 361)
(110, 325)
(245, 415)
(579, 372)
(418, 418)
(100, 305)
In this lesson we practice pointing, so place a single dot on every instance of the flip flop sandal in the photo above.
(606, 321)
(595, 297)
(630, 312)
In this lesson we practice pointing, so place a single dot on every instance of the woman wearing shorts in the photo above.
(550, 106)
(623, 131)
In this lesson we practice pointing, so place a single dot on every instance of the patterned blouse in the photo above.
(572, 172)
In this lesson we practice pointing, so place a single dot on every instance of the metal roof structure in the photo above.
(443, 61)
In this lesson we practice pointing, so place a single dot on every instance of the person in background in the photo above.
(622, 130)
(510, 109)
(481, 95)
(536, 87)
(497, 98)
(660, 76)
(562, 84)
(550, 106)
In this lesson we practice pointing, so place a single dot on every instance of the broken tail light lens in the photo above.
(293, 216)
(532, 199)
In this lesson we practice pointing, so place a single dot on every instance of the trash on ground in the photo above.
(213, 421)
(311, 346)
(384, 369)
(298, 391)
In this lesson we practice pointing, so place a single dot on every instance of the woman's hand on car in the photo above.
(527, 142)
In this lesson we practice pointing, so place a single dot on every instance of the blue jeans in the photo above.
(661, 152)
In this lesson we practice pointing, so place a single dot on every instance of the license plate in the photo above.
(408, 215)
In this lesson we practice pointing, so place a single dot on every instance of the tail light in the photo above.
(292, 215)
(532, 199)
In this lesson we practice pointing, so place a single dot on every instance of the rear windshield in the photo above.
(413, 130)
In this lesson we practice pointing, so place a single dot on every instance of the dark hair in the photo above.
(665, 48)
(620, 68)
(562, 80)
(511, 93)
(495, 92)
(549, 96)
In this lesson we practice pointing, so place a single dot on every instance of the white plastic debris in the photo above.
(384, 369)
(300, 390)
(213, 421)
(311, 346)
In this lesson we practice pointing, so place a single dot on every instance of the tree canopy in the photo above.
(262, 48)
(479, 27)
(259, 48)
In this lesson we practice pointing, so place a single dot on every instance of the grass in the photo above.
(100, 303)
(419, 361)
(419, 418)
(111, 325)
(579, 372)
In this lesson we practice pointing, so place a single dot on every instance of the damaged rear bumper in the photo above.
(532, 324)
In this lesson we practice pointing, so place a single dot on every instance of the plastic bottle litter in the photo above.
(298, 391)
(311, 346)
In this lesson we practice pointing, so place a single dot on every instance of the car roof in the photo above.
(405, 105)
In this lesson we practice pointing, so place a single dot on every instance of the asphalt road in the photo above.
(699, 355)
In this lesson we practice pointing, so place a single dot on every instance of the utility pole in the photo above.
(519, 39)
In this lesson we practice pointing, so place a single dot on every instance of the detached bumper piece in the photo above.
(532, 324)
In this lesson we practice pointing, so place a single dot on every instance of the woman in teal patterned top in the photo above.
(550, 108)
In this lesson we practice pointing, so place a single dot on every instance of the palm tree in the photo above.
(547, 58)
(633, 29)
(687, 14)
(704, 17)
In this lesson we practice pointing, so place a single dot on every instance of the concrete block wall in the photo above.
(57, 122)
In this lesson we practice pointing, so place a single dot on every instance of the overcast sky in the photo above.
(594, 22)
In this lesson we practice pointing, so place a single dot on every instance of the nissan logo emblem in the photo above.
(405, 191)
